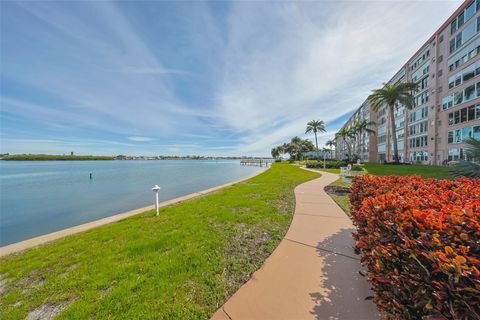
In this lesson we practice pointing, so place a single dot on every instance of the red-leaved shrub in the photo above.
(420, 242)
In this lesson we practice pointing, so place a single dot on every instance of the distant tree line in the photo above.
(43, 157)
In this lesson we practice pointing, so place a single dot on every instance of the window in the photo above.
(466, 74)
(440, 72)
(460, 20)
(417, 156)
(447, 102)
(440, 39)
(466, 56)
(418, 142)
(455, 154)
(470, 11)
(476, 132)
(453, 26)
(452, 45)
(467, 33)
(458, 97)
(470, 92)
(460, 135)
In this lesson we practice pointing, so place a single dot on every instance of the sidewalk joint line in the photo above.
(225, 311)
(326, 250)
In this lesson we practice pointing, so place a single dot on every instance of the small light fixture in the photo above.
(156, 189)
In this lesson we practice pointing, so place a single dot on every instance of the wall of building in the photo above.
(447, 111)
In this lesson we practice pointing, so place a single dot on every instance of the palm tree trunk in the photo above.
(394, 134)
(349, 151)
(316, 142)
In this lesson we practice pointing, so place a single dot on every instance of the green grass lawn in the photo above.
(342, 200)
(181, 265)
(378, 169)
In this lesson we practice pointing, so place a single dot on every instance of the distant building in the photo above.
(447, 108)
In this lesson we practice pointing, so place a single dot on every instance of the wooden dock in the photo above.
(256, 162)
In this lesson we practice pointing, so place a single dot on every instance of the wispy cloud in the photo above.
(236, 77)
(140, 139)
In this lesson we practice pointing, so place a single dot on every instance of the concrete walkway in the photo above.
(313, 273)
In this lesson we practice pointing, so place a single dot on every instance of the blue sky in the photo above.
(208, 78)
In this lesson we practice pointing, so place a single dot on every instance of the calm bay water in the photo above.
(39, 197)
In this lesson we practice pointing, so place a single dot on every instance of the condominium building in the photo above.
(447, 104)
(360, 144)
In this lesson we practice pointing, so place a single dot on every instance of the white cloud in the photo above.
(140, 139)
(245, 79)
(293, 62)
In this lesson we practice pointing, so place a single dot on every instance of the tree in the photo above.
(315, 126)
(277, 152)
(363, 126)
(297, 147)
(470, 168)
(330, 143)
(391, 96)
(346, 134)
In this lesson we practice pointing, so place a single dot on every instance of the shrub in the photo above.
(357, 168)
(336, 164)
(419, 240)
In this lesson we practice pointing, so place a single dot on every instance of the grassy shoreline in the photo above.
(183, 264)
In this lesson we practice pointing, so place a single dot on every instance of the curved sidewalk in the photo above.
(313, 273)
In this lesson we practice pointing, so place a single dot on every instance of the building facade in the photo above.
(447, 104)
(360, 144)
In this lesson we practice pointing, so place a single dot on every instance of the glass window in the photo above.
(458, 41)
(467, 33)
(476, 132)
(470, 11)
(453, 26)
(466, 133)
(450, 118)
(457, 117)
(460, 19)
(457, 136)
(450, 136)
(463, 115)
(470, 92)
(471, 113)
(458, 97)
(452, 45)
(477, 108)
(458, 80)
(469, 74)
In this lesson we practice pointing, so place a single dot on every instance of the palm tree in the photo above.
(391, 96)
(315, 126)
(361, 127)
(470, 168)
(346, 134)
(330, 143)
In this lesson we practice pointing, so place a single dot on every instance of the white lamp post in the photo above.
(156, 189)
(324, 160)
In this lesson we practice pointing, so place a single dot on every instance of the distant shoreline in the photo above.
(47, 157)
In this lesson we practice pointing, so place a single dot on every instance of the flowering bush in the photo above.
(420, 242)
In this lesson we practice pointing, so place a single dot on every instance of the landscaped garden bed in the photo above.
(419, 239)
